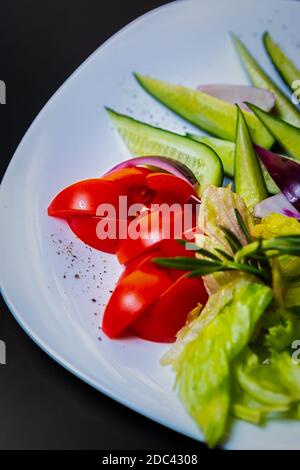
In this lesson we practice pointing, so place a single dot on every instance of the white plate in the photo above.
(72, 139)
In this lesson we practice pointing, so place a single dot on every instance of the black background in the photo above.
(41, 405)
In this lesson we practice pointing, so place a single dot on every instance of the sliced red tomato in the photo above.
(132, 295)
(88, 228)
(149, 231)
(84, 197)
(129, 176)
(144, 185)
(141, 296)
(163, 249)
(138, 260)
(165, 317)
(140, 185)
(170, 189)
(153, 228)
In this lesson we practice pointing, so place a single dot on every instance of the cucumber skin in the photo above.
(284, 66)
(212, 106)
(258, 77)
(287, 135)
(217, 178)
(225, 149)
(248, 178)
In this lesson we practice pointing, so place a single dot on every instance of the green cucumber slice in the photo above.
(287, 135)
(283, 106)
(143, 139)
(285, 67)
(207, 112)
(248, 178)
(225, 149)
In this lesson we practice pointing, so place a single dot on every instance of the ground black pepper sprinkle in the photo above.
(84, 268)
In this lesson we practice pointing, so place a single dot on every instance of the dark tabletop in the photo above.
(42, 406)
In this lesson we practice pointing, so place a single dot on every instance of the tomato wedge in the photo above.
(153, 301)
(152, 228)
(138, 260)
(84, 197)
(170, 189)
(165, 317)
(88, 228)
(130, 176)
(140, 185)
(149, 229)
(132, 295)
(134, 184)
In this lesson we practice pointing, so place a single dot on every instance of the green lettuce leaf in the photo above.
(286, 291)
(282, 335)
(288, 373)
(217, 210)
(278, 284)
(290, 266)
(292, 297)
(260, 381)
(286, 283)
(247, 408)
(215, 304)
(277, 225)
(203, 367)
(275, 382)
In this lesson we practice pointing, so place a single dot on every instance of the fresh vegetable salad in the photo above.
(213, 268)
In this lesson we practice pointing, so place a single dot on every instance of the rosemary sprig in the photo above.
(224, 254)
(242, 225)
(193, 247)
(274, 247)
(233, 241)
(254, 258)
(208, 254)
(185, 263)
(202, 267)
